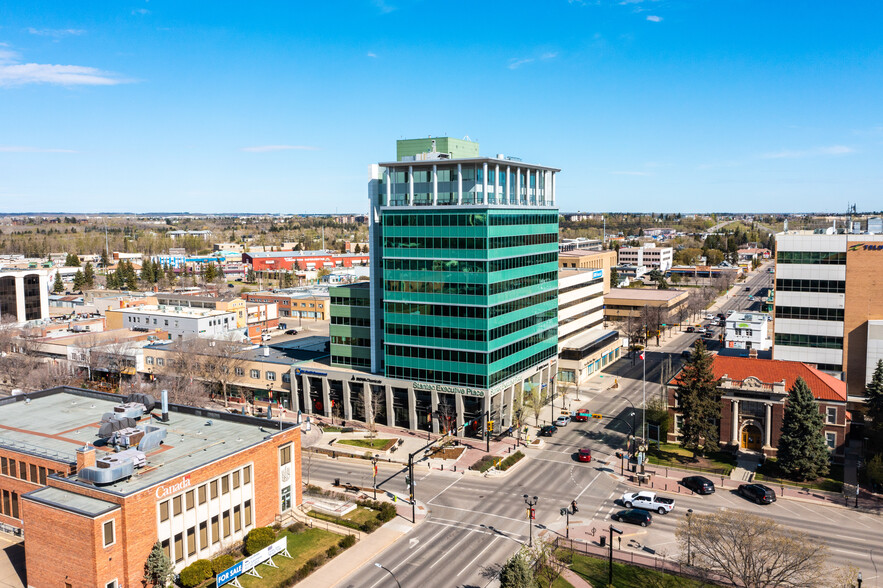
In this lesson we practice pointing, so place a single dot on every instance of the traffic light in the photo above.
(597, 416)
(533, 513)
(490, 426)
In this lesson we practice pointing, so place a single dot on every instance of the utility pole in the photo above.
(531, 515)
(610, 567)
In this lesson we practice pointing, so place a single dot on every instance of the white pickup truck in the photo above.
(648, 501)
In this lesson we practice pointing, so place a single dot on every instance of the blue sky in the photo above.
(281, 107)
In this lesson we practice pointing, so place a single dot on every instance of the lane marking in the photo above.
(478, 512)
(467, 566)
(443, 491)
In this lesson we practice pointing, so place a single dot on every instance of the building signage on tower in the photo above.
(448, 389)
(164, 491)
(866, 247)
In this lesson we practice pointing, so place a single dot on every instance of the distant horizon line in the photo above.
(365, 213)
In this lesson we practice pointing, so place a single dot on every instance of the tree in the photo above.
(72, 260)
(374, 408)
(699, 400)
(79, 280)
(104, 261)
(220, 359)
(548, 567)
(874, 469)
(58, 285)
(803, 453)
(534, 401)
(357, 248)
(874, 402)
(209, 272)
(714, 256)
(614, 277)
(755, 551)
(158, 569)
(89, 275)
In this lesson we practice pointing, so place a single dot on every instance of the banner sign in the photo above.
(249, 563)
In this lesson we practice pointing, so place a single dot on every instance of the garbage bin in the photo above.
(337, 481)
(603, 540)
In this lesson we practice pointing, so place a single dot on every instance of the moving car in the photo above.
(634, 516)
(691, 329)
(709, 317)
(548, 431)
(708, 335)
(648, 501)
(581, 417)
(291, 332)
(758, 493)
(748, 288)
(698, 484)
(562, 421)
(584, 455)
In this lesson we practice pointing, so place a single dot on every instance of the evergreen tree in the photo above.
(72, 260)
(79, 280)
(104, 261)
(250, 276)
(158, 568)
(298, 247)
(614, 277)
(699, 399)
(357, 249)
(147, 274)
(112, 281)
(209, 272)
(517, 573)
(130, 280)
(874, 402)
(170, 274)
(89, 275)
(803, 453)
(58, 285)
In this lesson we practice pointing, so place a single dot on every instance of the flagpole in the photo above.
(644, 401)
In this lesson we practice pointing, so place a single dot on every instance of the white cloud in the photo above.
(549, 55)
(515, 63)
(56, 32)
(15, 73)
(141, 11)
(382, 6)
(653, 18)
(268, 148)
(629, 173)
(372, 55)
(23, 149)
(818, 151)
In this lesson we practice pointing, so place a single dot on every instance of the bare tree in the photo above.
(447, 416)
(374, 407)
(548, 567)
(221, 363)
(534, 401)
(51, 373)
(749, 550)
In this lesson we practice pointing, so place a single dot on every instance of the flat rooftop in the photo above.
(71, 501)
(55, 422)
(643, 294)
(181, 311)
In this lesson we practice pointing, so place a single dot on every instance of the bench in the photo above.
(351, 488)
(394, 448)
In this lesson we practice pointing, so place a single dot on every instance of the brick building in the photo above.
(753, 396)
(92, 500)
(302, 260)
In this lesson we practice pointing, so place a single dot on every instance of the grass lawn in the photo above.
(673, 455)
(561, 583)
(330, 429)
(375, 444)
(770, 473)
(358, 516)
(301, 547)
(624, 576)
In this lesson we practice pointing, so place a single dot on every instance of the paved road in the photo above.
(476, 523)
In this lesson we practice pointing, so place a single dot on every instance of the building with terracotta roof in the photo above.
(753, 396)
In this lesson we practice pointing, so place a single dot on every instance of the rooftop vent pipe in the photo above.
(165, 406)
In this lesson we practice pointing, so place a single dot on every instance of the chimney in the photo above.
(85, 457)
(165, 406)
(266, 352)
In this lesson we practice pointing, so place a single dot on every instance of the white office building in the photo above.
(24, 295)
(748, 330)
(649, 255)
(179, 321)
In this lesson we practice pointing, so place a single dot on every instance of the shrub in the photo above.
(317, 560)
(370, 525)
(196, 573)
(387, 512)
(331, 551)
(347, 542)
(298, 527)
(259, 538)
(221, 563)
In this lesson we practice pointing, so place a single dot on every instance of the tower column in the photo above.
(459, 183)
(484, 183)
(734, 437)
(434, 184)
(508, 184)
(411, 185)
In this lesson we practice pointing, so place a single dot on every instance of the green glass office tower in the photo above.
(463, 269)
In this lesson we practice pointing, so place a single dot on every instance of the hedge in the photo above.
(489, 461)
(196, 573)
(222, 562)
(259, 538)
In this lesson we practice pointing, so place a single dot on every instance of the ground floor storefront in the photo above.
(351, 395)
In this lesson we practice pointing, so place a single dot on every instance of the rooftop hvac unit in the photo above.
(113, 467)
(132, 410)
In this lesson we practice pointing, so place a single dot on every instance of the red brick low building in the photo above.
(302, 260)
(196, 482)
(753, 397)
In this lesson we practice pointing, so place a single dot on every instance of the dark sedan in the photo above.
(698, 484)
(635, 516)
(548, 431)
(758, 493)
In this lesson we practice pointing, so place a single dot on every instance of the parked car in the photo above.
(562, 421)
(265, 337)
(758, 493)
(291, 332)
(686, 354)
(720, 315)
(581, 417)
(548, 431)
(709, 317)
(635, 516)
(584, 454)
(691, 329)
(698, 484)
(748, 288)
(648, 501)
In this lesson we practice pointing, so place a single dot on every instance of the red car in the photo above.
(584, 455)
(581, 417)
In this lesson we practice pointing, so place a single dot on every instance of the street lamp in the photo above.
(530, 502)
(389, 572)
(610, 567)
(689, 536)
